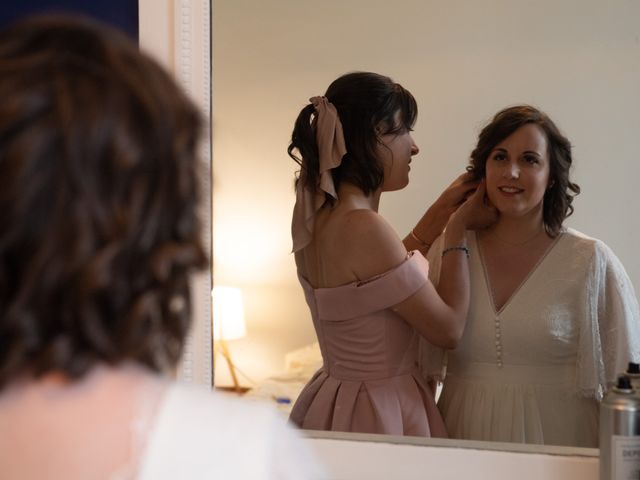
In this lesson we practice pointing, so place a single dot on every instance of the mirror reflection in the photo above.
(462, 63)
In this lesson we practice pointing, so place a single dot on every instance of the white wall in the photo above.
(579, 60)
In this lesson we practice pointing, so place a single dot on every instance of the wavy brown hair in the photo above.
(558, 198)
(98, 198)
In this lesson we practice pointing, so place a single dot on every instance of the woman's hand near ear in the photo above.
(432, 223)
(477, 212)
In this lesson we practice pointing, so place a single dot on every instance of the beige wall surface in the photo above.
(578, 60)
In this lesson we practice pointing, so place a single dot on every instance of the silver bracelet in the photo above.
(461, 248)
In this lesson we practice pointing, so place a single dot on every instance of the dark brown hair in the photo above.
(559, 196)
(98, 198)
(367, 104)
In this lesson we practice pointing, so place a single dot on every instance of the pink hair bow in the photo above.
(331, 149)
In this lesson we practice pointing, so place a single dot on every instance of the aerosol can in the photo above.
(633, 372)
(620, 433)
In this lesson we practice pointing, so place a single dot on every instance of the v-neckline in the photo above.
(487, 280)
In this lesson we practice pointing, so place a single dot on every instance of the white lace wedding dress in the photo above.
(534, 371)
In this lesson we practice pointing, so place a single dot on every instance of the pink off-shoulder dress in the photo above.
(369, 381)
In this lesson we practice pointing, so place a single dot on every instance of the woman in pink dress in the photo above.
(368, 290)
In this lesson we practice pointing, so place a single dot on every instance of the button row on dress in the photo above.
(498, 343)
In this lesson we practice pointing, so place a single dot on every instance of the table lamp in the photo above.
(228, 323)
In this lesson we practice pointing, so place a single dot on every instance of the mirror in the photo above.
(463, 61)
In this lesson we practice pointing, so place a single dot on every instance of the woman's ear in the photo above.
(472, 171)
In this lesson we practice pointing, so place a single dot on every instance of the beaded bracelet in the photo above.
(422, 243)
(462, 248)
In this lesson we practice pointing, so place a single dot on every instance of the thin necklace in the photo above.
(519, 244)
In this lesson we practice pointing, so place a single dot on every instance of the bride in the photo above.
(553, 315)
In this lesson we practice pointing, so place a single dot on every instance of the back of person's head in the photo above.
(559, 196)
(369, 105)
(98, 201)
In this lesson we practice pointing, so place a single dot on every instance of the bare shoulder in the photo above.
(371, 243)
(364, 225)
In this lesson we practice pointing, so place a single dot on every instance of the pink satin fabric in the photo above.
(369, 381)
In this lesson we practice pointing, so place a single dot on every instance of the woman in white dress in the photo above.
(553, 315)
(98, 206)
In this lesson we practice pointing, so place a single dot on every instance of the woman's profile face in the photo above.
(395, 150)
(517, 172)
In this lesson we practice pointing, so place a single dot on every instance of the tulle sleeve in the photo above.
(610, 333)
(432, 359)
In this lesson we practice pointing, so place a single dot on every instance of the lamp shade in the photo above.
(228, 313)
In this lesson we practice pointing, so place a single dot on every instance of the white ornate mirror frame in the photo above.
(177, 33)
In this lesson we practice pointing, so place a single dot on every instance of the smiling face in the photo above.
(517, 172)
(395, 151)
